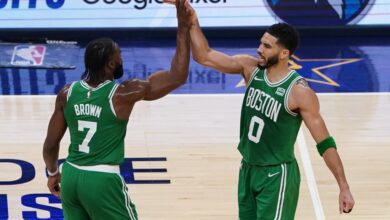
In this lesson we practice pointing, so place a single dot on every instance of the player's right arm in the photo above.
(55, 132)
(203, 54)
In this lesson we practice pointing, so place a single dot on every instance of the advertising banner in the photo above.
(16, 14)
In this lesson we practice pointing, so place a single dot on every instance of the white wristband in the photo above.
(53, 173)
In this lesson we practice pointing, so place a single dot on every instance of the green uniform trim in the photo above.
(326, 144)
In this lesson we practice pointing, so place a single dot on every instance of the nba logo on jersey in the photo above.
(28, 55)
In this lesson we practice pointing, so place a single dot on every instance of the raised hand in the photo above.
(186, 14)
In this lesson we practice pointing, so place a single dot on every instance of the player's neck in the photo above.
(277, 72)
(96, 83)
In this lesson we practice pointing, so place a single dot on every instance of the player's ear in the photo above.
(285, 54)
(111, 64)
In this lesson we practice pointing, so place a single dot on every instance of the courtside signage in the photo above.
(24, 195)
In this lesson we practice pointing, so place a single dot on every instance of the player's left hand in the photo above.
(53, 183)
(346, 201)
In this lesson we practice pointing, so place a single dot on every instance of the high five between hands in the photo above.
(185, 13)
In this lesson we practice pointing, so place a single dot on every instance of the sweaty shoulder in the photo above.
(133, 85)
(64, 90)
(133, 90)
(127, 94)
(63, 93)
(301, 96)
(61, 99)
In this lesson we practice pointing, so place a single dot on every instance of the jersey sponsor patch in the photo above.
(28, 55)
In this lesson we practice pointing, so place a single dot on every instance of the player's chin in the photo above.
(261, 65)
(261, 62)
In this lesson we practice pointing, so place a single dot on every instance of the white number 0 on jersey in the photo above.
(255, 135)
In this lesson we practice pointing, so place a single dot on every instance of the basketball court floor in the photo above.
(181, 156)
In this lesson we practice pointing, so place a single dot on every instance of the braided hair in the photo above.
(97, 54)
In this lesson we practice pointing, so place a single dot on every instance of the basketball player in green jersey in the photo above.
(96, 111)
(277, 99)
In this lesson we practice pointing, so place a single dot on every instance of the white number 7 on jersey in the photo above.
(91, 126)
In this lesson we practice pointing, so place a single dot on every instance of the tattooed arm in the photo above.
(304, 101)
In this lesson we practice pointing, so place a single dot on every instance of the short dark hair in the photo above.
(286, 34)
(97, 54)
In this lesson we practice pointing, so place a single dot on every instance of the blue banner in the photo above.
(328, 65)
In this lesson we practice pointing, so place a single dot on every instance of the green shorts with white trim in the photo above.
(268, 192)
(95, 192)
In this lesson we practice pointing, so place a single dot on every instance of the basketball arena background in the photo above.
(345, 48)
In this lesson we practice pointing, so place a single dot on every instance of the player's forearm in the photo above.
(333, 161)
(181, 59)
(50, 156)
(199, 44)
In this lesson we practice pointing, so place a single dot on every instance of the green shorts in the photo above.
(88, 195)
(268, 192)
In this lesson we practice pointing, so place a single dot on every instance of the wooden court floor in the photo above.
(198, 134)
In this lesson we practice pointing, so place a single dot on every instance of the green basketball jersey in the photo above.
(268, 127)
(96, 134)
